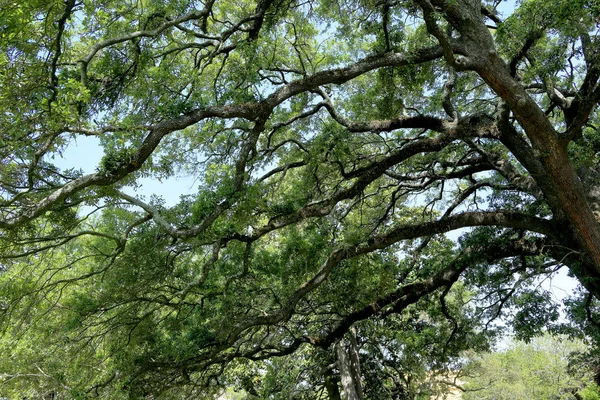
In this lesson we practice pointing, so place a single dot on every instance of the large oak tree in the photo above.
(334, 145)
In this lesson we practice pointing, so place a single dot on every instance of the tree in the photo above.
(334, 145)
(535, 370)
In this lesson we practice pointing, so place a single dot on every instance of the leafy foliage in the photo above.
(377, 182)
(535, 370)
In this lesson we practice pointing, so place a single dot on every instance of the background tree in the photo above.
(334, 146)
(534, 370)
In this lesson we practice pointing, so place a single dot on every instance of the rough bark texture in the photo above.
(558, 180)
(349, 365)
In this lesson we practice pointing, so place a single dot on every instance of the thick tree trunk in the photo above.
(346, 375)
(354, 360)
(349, 365)
(560, 184)
(545, 156)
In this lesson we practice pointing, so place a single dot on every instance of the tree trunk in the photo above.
(349, 365)
(333, 391)
(546, 157)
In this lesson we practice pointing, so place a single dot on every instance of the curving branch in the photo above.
(85, 61)
(69, 8)
(256, 111)
(394, 302)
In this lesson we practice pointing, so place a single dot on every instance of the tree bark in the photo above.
(349, 365)
(333, 391)
(546, 156)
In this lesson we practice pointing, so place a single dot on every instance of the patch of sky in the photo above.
(85, 153)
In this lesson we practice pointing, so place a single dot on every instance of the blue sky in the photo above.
(85, 153)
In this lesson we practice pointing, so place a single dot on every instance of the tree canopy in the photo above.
(377, 182)
(535, 370)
